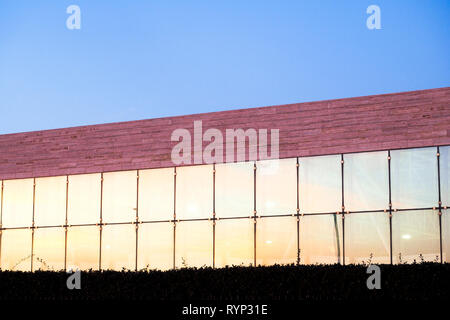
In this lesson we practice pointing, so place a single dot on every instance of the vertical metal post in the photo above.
(343, 209)
(214, 216)
(101, 223)
(32, 223)
(254, 213)
(66, 223)
(1, 224)
(440, 203)
(137, 220)
(390, 207)
(174, 211)
(298, 211)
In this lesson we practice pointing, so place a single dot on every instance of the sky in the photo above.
(134, 60)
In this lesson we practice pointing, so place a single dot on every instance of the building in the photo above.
(358, 180)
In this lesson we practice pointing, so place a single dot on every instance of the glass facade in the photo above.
(380, 207)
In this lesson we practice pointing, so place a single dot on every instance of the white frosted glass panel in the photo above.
(156, 194)
(276, 187)
(16, 250)
(83, 248)
(155, 246)
(119, 196)
(446, 235)
(234, 189)
(194, 244)
(84, 199)
(367, 238)
(320, 184)
(17, 203)
(415, 233)
(194, 192)
(444, 163)
(234, 242)
(366, 181)
(118, 247)
(50, 209)
(49, 247)
(276, 241)
(414, 178)
(321, 239)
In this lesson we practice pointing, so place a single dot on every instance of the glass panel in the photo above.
(415, 235)
(194, 192)
(444, 163)
(276, 241)
(17, 203)
(234, 242)
(414, 178)
(49, 249)
(83, 246)
(367, 238)
(84, 199)
(276, 187)
(16, 250)
(50, 209)
(156, 194)
(446, 235)
(119, 196)
(119, 247)
(234, 189)
(320, 184)
(321, 239)
(193, 244)
(366, 181)
(155, 246)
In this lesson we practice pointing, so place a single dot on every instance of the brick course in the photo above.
(379, 122)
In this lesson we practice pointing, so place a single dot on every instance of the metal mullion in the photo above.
(438, 155)
(101, 223)
(137, 221)
(174, 211)
(343, 209)
(214, 216)
(32, 223)
(66, 223)
(1, 225)
(298, 211)
(390, 207)
(254, 213)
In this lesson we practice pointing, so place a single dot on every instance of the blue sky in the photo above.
(146, 59)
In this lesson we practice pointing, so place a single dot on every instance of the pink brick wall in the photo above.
(390, 121)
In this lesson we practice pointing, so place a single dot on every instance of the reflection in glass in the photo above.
(321, 239)
(234, 189)
(156, 194)
(276, 241)
(366, 181)
(118, 247)
(17, 203)
(367, 238)
(414, 179)
(49, 249)
(16, 250)
(194, 244)
(444, 163)
(445, 235)
(84, 199)
(119, 196)
(50, 201)
(194, 192)
(155, 246)
(83, 246)
(320, 184)
(234, 242)
(276, 187)
(415, 235)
